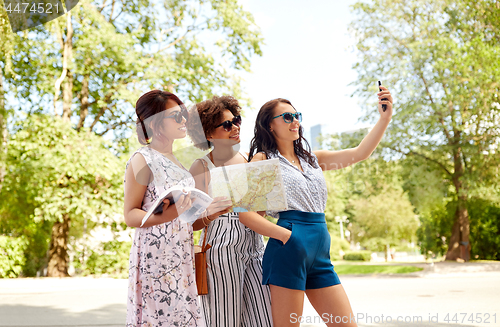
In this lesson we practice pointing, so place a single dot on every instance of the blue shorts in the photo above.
(304, 261)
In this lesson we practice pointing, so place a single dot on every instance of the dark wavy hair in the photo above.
(149, 105)
(210, 112)
(264, 141)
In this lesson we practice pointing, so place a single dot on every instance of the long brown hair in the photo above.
(149, 105)
(264, 141)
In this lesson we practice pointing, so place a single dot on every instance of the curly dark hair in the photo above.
(210, 113)
(264, 141)
(149, 105)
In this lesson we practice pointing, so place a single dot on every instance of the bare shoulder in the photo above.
(139, 169)
(259, 157)
(196, 167)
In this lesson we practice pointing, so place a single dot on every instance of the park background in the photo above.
(68, 89)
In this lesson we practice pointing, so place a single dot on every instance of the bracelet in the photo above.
(204, 223)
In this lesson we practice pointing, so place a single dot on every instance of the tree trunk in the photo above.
(67, 55)
(67, 96)
(459, 246)
(3, 131)
(84, 99)
(58, 253)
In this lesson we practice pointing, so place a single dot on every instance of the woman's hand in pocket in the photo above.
(285, 236)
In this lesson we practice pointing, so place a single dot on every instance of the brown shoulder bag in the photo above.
(200, 255)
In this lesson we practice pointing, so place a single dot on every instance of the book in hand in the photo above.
(199, 202)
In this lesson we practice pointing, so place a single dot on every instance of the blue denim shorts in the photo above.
(304, 261)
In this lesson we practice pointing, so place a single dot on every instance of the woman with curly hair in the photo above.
(236, 296)
(297, 256)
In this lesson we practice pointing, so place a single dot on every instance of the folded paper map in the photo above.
(255, 186)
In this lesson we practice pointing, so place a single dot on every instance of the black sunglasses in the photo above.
(228, 124)
(178, 115)
(288, 117)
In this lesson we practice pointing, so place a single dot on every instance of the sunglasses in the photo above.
(228, 124)
(288, 117)
(178, 115)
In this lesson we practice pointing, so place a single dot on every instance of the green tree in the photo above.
(90, 66)
(56, 177)
(6, 45)
(441, 59)
(384, 220)
(102, 55)
(357, 187)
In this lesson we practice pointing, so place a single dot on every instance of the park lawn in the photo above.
(375, 269)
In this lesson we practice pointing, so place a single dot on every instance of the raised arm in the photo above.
(256, 221)
(332, 160)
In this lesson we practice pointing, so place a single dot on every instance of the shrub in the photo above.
(110, 258)
(12, 257)
(337, 245)
(358, 255)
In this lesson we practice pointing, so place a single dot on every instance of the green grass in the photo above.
(374, 269)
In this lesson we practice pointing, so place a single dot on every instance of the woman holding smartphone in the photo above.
(162, 287)
(235, 296)
(297, 256)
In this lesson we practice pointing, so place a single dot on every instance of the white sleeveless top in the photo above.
(211, 166)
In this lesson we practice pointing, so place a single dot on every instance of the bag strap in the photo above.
(205, 167)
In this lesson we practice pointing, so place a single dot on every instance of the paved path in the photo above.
(444, 289)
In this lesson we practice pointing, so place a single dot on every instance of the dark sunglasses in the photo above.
(288, 117)
(228, 124)
(178, 115)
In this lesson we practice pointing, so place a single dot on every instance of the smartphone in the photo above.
(384, 106)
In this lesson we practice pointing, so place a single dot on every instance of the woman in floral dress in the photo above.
(162, 284)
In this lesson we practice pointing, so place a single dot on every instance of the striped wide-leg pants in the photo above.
(236, 296)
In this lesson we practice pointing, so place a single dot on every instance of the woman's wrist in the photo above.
(284, 235)
(206, 221)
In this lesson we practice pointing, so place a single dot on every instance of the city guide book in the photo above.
(200, 201)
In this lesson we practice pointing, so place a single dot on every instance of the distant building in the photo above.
(320, 131)
(315, 134)
(307, 135)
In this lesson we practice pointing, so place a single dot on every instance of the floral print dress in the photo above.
(162, 283)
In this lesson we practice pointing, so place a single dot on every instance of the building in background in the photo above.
(315, 134)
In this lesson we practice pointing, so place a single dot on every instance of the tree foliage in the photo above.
(89, 67)
(385, 219)
(441, 60)
(100, 57)
(55, 174)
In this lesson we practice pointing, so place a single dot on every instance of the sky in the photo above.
(307, 59)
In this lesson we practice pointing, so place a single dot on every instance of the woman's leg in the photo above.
(287, 305)
(332, 303)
